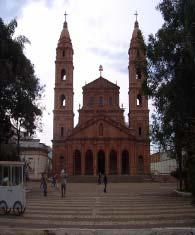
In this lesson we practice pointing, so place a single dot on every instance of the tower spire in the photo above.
(136, 22)
(65, 22)
(65, 33)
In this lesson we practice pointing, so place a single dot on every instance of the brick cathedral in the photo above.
(101, 141)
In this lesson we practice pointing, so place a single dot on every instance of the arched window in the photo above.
(63, 100)
(101, 130)
(139, 100)
(91, 101)
(140, 130)
(63, 74)
(63, 53)
(62, 131)
(138, 73)
(100, 101)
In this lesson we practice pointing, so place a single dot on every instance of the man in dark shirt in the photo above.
(105, 183)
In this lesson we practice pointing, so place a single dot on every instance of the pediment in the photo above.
(101, 83)
(111, 129)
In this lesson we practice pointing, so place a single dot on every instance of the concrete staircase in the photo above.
(86, 206)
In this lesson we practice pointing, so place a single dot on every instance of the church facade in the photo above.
(101, 141)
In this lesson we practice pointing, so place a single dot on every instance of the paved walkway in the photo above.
(86, 206)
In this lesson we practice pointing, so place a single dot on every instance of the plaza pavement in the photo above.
(86, 209)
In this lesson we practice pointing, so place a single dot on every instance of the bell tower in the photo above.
(138, 103)
(63, 92)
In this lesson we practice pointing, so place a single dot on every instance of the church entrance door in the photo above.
(77, 162)
(113, 162)
(101, 162)
(89, 163)
(125, 162)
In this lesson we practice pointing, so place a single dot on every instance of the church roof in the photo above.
(100, 83)
(122, 129)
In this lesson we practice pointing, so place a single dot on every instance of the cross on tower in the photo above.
(65, 15)
(136, 14)
(100, 69)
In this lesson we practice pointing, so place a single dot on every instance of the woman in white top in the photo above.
(63, 182)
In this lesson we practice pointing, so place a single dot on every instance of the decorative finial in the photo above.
(100, 69)
(79, 106)
(65, 14)
(136, 14)
(65, 23)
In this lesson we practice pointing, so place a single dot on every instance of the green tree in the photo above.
(20, 88)
(171, 80)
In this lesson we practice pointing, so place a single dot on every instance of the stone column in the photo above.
(146, 159)
(132, 151)
(70, 159)
(95, 160)
(107, 160)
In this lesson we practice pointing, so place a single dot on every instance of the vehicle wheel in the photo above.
(8, 210)
(17, 209)
(3, 207)
(23, 210)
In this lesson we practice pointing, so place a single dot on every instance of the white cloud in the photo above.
(94, 26)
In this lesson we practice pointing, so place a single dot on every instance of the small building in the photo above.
(162, 164)
(36, 155)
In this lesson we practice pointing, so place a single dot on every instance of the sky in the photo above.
(100, 31)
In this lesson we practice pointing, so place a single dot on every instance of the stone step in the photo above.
(111, 178)
(102, 231)
(45, 222)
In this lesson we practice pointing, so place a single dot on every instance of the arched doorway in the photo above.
(77, 162)
(101, 162)
(140, 166)
(113, 162)
(89, 163)
(125, 162)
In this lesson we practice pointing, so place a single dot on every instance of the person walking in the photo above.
(99, 178)
(43, 185)
(63, 176)
(53, 181)
(105, 183)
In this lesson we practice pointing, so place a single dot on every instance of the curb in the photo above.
(183, 194)
(69, 231)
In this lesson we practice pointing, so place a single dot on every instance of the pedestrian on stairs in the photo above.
(105, 183)
(43, 185)
(99, 178)
(63, 176)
